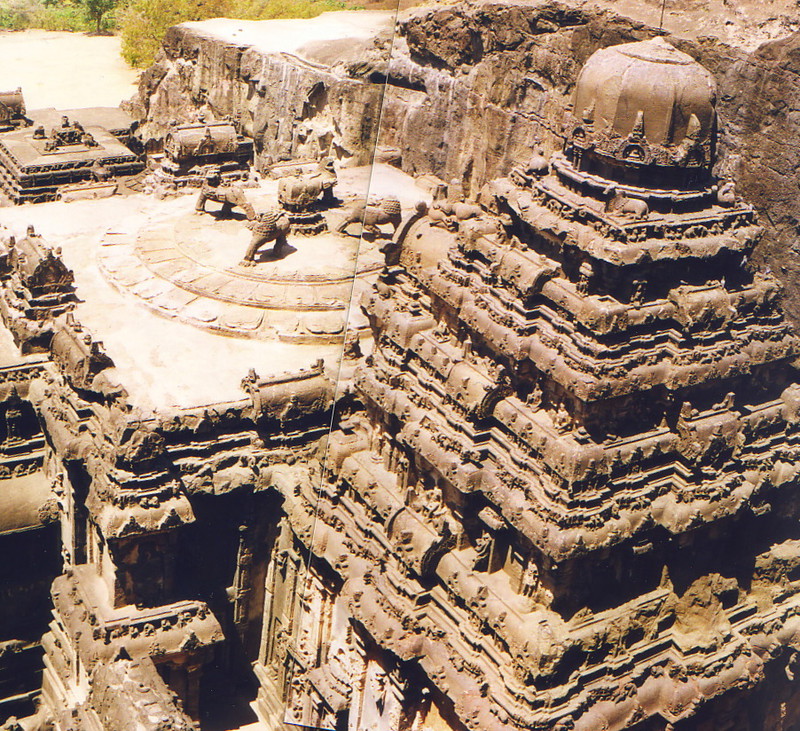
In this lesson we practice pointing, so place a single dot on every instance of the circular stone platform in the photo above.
(189, 268)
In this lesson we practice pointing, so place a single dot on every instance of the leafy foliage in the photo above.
(268, 9)
(96, 9)
(142, 23)
(69, 15)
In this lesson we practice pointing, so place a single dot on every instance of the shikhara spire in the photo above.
(506, 439)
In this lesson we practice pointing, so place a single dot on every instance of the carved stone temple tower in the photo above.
(564, 494)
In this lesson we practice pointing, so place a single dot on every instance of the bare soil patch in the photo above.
(65, 70)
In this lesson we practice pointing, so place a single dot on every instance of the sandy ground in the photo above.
(65, 70)
(742, 23)
(165, 363)
(289, 36)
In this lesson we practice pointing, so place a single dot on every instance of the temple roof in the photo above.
(647, 83)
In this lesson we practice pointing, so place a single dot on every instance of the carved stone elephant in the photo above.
(372, 215)
(301, 192)
(228, 195)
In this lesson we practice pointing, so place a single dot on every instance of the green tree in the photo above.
(142, 23)
(96, 9)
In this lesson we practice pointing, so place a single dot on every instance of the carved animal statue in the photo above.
(620, 204)
(726, 194)
(100, 172)
(372, 215)
(228, 195)
(538, 166)
(269, 226)
(448, 214)
(301, 192)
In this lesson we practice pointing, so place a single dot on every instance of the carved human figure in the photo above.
(13, 418)
(206, 144)
(535, 396)
(562, 419)
(483, 547)
(585, 273)
(529, 582)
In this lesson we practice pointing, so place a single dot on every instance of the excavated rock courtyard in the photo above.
(516, 447)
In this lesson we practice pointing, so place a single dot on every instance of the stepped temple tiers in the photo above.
(569, 488)
(291, 441)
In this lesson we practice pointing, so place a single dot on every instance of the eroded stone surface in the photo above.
(570, 386)
(557, 493)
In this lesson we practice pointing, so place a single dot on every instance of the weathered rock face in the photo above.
(496, 76)
(472, 87)
(294, 105)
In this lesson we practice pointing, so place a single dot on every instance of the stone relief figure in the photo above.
(622, 205)
(585, 274)
(268, 226)
(562, 420)
(535, 397)
(14, 418)
(229, 196)
(483, 547)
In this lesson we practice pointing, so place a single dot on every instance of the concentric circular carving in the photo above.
(189, 268)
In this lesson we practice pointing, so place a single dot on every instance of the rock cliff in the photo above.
(473, 87)
(298, 90)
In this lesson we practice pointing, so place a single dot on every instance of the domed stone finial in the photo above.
(649, 93)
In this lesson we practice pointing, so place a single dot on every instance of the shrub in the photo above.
(70, 15)
(268, 9)
(142, 23)
(18, 14)
(67, 17)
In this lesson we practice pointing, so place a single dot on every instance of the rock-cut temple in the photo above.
(560, 493)
(568, 496)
